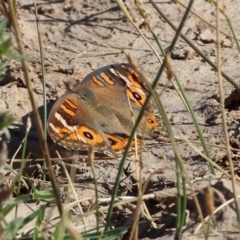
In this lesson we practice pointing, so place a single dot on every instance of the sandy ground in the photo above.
(79, 37)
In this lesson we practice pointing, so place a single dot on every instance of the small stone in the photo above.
(207, 36)
(226, 43)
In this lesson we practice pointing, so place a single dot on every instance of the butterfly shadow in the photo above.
(33, 147)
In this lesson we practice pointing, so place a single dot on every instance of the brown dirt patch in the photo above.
(81, 36)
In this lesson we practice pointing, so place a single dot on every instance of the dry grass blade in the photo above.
(29, 124)
(123, 8)
(224, 121)
(205, 157)
(169, 189)
(71, 189)
(202, 18)
(215, 211)
(43, 144)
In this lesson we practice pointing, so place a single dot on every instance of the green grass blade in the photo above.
(43, 194)
(15, 225)
(38, 224)
(233, 33)
(3, 25)
(107, 235)
(10, 231)
(187, 103)
(12, 203)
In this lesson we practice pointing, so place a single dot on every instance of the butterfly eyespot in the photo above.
(112, 142)
(88, 135)
(115, 142)
(137, 96)
(150, 121)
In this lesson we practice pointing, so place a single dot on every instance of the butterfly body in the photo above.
(97, 112)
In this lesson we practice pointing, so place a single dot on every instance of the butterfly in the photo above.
(97, 113)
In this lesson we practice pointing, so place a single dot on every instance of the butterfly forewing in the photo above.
(113, 85)
(73, 126)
